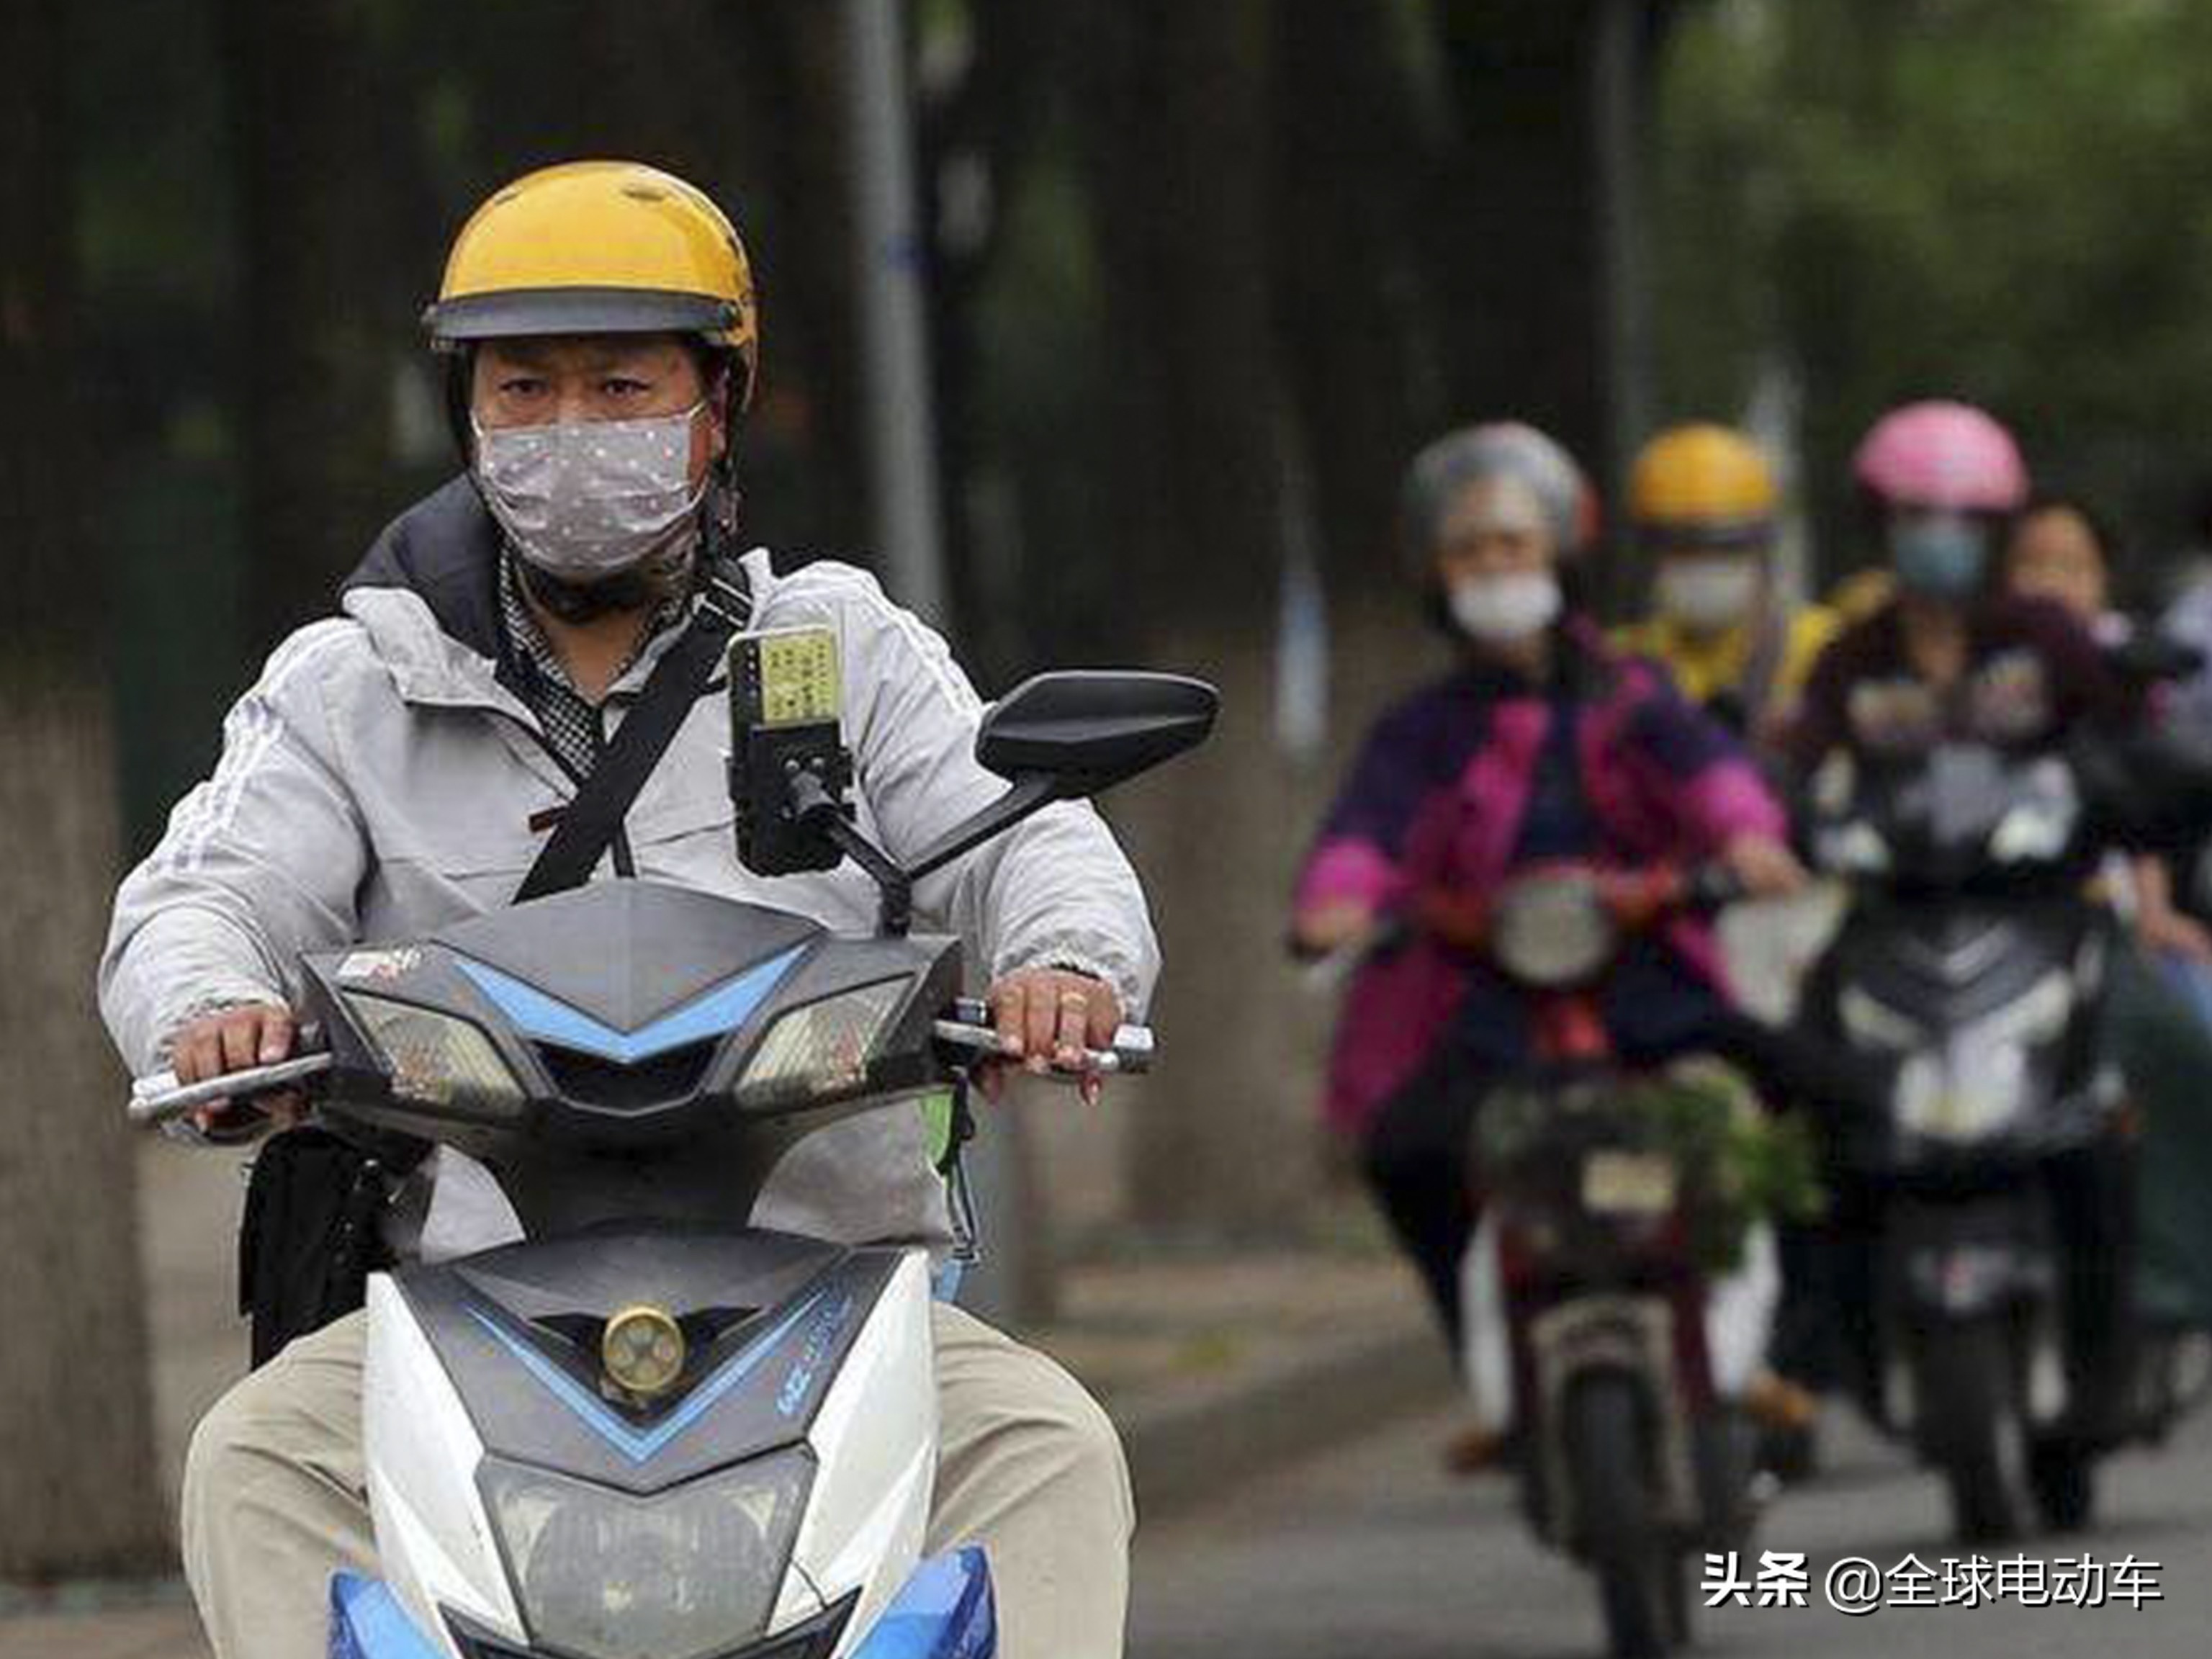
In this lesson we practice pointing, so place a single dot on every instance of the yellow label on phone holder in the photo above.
(798, 684)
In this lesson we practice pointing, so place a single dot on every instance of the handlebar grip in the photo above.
(1130, 1056)
(158, 1098)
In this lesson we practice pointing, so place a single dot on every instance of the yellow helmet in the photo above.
(1702, 484)
(599, 247)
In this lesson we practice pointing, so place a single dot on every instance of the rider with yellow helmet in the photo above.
(398, 767)
(1703, 500)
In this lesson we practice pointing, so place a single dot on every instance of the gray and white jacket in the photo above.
(382, 780)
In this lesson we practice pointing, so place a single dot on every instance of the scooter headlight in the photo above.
(688, 1573)
(2039, 827)
(436, 1060)
(1980, 1081)
(1552, 931)
(820, 1049)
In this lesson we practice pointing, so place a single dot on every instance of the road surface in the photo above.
(1366, 1551)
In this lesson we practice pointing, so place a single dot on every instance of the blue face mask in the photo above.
(1941, 555)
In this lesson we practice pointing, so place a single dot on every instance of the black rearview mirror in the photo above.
(1087, 730)
(1062, 736)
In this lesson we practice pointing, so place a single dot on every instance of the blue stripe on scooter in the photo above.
(640, 1445)
(945, 1610)
(367, 1622)
(549, 1019)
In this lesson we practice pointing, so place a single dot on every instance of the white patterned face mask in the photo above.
(585, 499)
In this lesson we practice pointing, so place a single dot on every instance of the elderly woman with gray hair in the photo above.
(1541, 745)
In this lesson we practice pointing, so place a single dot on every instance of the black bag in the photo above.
(311, 1236)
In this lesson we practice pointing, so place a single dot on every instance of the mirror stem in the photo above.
(817, 810)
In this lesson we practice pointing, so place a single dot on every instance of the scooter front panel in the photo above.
(524, 1491)
(765, 1322)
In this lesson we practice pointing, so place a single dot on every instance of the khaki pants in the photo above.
(1028, 1467)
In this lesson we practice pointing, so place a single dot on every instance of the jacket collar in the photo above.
(428, 594)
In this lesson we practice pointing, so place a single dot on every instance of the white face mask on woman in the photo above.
(583, 500)
(1503, 609)
(1707, 594)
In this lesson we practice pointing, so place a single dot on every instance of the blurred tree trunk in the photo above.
(1349, 201)
(1175, 112)
(982, 124)
(1512, 251)
(779, 78)
(1530, 249)
(316, 134)
(78, 1492)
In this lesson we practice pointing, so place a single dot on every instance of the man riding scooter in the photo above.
(398, 767)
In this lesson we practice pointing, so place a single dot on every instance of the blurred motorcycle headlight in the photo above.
(1979, 1083)
(688, 1573)
(820, 1049)
(2041, 826)
(1945, 1096)
(1551, 929)
(435, 1060)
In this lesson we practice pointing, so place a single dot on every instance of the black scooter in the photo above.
(1981, 1231)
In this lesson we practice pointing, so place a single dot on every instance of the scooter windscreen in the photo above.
(1962, 815)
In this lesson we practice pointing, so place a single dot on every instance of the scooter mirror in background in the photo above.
(2148, 658)
(1088, 730)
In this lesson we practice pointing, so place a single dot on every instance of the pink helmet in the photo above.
(1941, 454)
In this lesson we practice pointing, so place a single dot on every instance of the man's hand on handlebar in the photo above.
(1047, 1017)
(233, 1040)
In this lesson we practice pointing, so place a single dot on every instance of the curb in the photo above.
(1185, 1448)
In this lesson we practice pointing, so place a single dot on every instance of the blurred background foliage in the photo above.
(1844, 203)
(1997, 199)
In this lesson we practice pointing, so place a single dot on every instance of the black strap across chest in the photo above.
(588, 824)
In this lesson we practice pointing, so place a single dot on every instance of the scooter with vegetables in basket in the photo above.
(1619, 1288)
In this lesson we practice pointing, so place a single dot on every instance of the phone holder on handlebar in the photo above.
(1056, 737)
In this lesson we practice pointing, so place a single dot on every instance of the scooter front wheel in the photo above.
(1611, 1463)
(2063, 1474)
(1970, 1426)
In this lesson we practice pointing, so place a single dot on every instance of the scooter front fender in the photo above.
(367, 1622)
(944, 1611)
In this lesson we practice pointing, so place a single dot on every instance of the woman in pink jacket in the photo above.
(1541, 745)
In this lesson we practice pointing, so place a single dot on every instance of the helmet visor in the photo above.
(512, 311)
